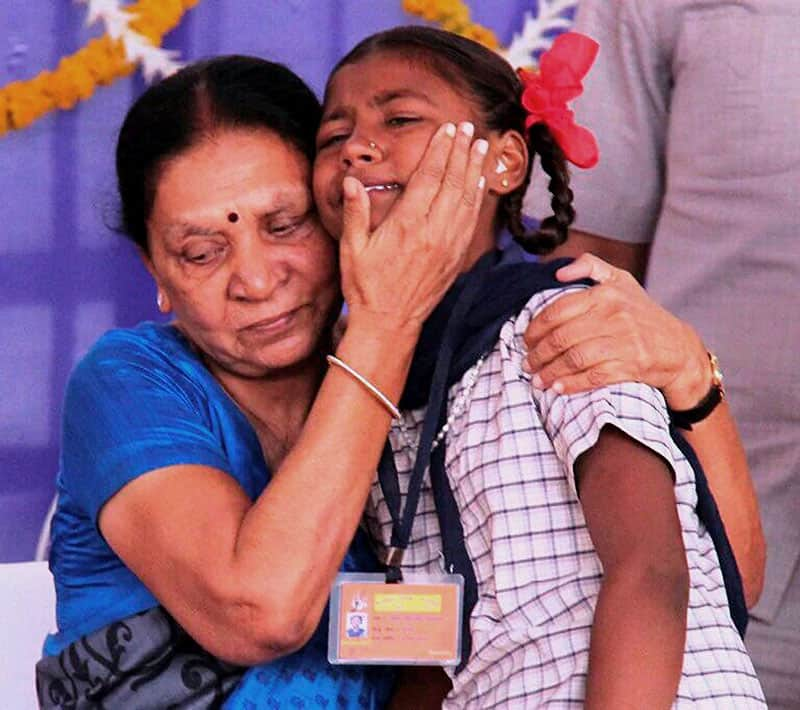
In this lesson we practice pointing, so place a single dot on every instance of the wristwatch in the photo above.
(684, 418)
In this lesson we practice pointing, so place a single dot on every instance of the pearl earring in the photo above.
(504, 182)
(160, 301)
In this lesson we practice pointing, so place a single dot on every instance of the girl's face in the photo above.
(379, 115)
(238, 254)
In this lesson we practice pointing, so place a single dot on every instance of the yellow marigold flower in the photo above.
(40, 86)
(482, 35)
(162, 14)
(118, 64)
(82, 79)
(453, 10)
(3, 113)
(148, 19)
(414, 7)
(456, 24)
(97, 57)
(148, 29)
(100, 62)
(24, 106)
(72, 82)
(62, 88)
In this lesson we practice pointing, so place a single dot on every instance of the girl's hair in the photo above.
(177, 113)
(496, 90)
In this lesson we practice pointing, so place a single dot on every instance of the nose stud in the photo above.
(373, 145)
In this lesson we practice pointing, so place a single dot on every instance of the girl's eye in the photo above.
(331, 140)
(401, 120)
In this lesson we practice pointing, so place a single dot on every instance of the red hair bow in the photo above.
(558, 81)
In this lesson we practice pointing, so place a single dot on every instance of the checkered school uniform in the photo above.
(509, 460)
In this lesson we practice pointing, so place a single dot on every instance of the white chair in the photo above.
(27, 615)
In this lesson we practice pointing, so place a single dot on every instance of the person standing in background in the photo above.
(696, 106)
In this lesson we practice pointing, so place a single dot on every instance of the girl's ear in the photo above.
(508, 163)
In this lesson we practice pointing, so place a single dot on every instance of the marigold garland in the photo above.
(454, 16)
(76, 77)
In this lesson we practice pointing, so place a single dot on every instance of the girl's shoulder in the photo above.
(517, 325)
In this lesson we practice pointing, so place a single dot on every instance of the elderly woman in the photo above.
(214, 470)
(167, 536)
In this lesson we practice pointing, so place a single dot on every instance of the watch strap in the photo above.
(684, 418)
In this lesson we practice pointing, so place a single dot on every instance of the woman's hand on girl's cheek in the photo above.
(614, 332)
(402, 269)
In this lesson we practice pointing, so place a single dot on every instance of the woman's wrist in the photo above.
(379, 350)
(381, 325)
(693, 379)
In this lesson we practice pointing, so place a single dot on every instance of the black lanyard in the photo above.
(435, 415)
(453, 545)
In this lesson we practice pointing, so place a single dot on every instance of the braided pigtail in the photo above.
(552, 231)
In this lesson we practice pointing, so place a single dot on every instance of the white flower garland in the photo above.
(534, 36)
(154, 61)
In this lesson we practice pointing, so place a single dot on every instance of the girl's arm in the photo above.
(615, 332)
(639, 628)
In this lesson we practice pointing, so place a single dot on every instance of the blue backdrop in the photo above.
(65, 277)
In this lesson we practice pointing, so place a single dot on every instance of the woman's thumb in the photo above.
(355, 216)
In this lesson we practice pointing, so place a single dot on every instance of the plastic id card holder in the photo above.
(413, 622)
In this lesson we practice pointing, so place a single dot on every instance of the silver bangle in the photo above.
(380, 396)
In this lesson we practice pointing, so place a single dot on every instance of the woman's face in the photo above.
(379, 115)
(238, 254)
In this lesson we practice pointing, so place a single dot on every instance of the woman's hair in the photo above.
(178, 112)
(496, 90)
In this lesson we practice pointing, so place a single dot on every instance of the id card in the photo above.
(414, 622)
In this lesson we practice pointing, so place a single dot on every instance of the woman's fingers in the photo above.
(456, 208)
(616, 293)
(453, 180)
(559, 340)
(589, 364)
(591, 267)
(404, 267)
(426, 181)
(447, 184)
(567, 309)
(609, 333)
(572, 383)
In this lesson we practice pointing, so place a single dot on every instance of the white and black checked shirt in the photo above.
(510, 461)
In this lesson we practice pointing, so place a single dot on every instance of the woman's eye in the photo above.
(202, 256)
(282, 230)
(295, 228)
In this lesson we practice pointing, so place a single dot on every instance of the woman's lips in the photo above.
(272, 326)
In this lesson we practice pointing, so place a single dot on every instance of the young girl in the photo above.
(589, 577)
